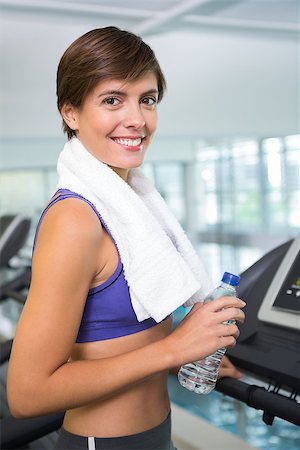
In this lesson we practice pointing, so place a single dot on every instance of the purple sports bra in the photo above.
(108, 311)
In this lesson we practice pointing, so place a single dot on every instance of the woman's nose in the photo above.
(134, 117)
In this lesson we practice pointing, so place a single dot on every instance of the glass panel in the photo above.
(245, 166)
(247, 210)
(208, 153)
(276, 208)
(210, 255)
(207, 210)
(247, 256)
(50, 183)
(169, 180)
(293, 170)
(21, 192)
(293, 213)
(26, 192)
(206, 175)
(226, 175)
(221, 258)
(243, 148)
(274, 168)
(228, 260)
(227, 216)
(292, 142)
(148, 170)
(272, 145)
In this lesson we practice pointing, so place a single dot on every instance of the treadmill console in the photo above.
(281, 304)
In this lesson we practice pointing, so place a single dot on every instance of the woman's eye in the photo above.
(113, 101)
(150, 101)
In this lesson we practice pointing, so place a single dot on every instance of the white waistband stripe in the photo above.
(91, 443)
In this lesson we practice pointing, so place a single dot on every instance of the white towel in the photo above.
(160, 265)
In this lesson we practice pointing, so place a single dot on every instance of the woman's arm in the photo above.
(40, 378)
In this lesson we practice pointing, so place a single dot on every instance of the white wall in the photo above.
(219, 83)
(229, 83)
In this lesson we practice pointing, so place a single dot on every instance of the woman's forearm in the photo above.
(74, 384)
(78, 383)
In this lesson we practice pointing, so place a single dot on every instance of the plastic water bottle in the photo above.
(201, 376)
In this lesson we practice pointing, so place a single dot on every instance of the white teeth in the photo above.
(128, 142)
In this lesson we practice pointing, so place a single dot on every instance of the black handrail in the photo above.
(273, 404)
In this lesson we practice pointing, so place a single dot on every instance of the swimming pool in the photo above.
(237, 418)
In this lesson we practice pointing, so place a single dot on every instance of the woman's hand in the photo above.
(227, 369)
(203, 330)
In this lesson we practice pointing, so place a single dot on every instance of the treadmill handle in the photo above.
(273, 404)
(16, 433)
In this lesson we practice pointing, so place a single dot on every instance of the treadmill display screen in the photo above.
(288, 297)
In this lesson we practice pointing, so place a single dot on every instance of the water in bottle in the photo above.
(201, 376)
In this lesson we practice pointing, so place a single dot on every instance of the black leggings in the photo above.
(157, 438)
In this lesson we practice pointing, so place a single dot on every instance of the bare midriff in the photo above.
(137, 408)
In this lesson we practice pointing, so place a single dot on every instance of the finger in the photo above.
(227, 341)
(236, 335)
(229, 372)
(230, 314)
(228, 330)
(225, 302)
(226, 362)
(227, 369)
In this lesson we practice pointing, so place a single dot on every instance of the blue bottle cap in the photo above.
(231, 279)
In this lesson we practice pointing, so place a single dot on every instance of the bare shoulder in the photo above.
(64, 263)
(67, 246)
(70, 218)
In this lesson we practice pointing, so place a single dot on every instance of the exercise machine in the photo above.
(269, 343)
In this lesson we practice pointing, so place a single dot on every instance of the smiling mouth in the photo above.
(130, 143)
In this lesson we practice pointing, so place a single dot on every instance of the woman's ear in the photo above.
(70, 116)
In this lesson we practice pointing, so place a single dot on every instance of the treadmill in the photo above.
(268, 347)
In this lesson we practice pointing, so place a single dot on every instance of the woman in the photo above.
(86, 342)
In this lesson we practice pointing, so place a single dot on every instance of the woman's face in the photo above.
(117, 121)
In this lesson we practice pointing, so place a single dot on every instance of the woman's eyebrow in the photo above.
(124, 94)
(112, 92)
(150, 92)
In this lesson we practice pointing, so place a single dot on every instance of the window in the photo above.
(26, 192)
(169, 179)
(237, 199)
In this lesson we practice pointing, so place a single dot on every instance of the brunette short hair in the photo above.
(101, 54)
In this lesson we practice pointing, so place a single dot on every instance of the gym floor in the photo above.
(190, 432)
